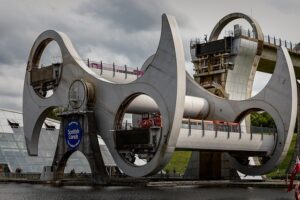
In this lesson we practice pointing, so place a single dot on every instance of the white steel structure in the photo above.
(165, 87)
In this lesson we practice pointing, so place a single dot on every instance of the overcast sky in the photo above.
(122, 31)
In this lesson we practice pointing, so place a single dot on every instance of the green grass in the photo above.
(179, 162)
(180, 159)
(279, 172)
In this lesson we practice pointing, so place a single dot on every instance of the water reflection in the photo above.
(37, 192)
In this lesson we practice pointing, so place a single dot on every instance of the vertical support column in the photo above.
(203, 131)
(101, 68)
(83, 139)
(228, 130)
(193, 168)
(190, 131)
(114, 70)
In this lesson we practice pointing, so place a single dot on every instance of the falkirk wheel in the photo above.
(184, 110)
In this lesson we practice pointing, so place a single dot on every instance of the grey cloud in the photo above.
(129, 15)
(14, 103)
(125, 32)
(129, 28)
(260, 81)
(106, 29)
(286, 6)
(11, 86)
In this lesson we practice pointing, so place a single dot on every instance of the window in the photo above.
(49, 126)
(13, 123)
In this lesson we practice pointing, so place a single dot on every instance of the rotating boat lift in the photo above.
(94, 105)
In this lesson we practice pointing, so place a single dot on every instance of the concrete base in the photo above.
(210, 166)
(47, 173)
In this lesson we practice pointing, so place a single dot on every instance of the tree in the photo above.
(53, 114)
(262, 119)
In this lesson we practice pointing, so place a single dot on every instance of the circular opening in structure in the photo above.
(261, 79)
(258, 129)
(50, 55)
(237, 27)
(46, 70)
(77, 165)
(138, 128)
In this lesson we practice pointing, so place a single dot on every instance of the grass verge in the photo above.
(279, 172)
(179, 162)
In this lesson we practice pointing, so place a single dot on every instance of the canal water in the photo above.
(12, 191)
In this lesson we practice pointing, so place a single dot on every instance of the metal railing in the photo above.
(251, 34)
(215, 127)
(267, 38)
(114, 68)
(225, 128)
(104, 66)
(228, 128)
(279, 42)
(129, 126)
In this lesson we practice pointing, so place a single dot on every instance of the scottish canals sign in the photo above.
(73, 134)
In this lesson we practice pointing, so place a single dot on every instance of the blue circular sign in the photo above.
(73, 134)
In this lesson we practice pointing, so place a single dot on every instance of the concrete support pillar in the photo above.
(210, 166)
(89, 146)
(193, 169)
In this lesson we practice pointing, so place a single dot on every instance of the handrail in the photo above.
(113, 67)
(211, 126)
(105, 66)
(250, 34)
